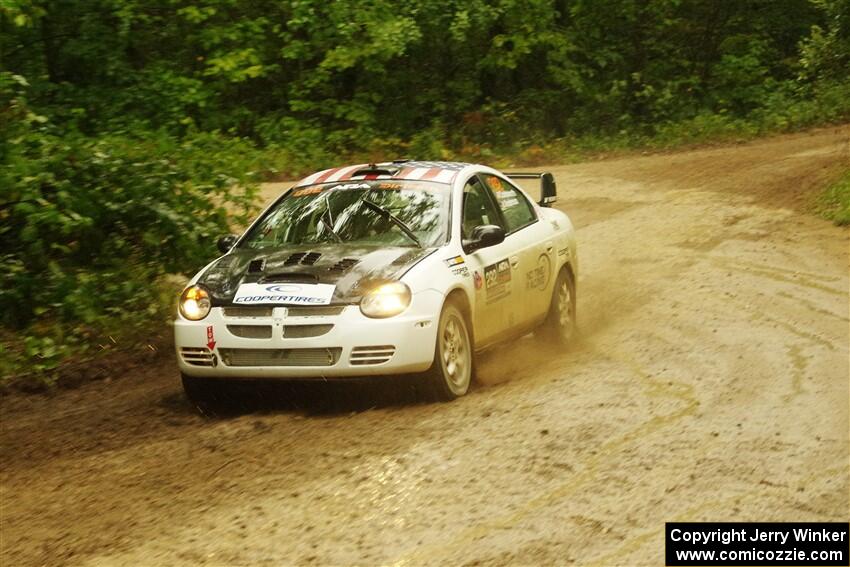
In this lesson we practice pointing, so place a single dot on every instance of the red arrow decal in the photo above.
(210, 338)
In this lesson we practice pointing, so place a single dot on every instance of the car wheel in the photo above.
(560, 324)
(451, 371)
(206, 394)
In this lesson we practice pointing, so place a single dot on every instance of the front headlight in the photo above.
(195, 303)
(386, 300)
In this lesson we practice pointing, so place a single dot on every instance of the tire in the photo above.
(559, 326)
(207, 395)
(451, 372)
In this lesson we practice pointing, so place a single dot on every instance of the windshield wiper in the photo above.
(330, 228)
(398, 222)
(329, 224)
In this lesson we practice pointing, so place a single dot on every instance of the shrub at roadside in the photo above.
(90, 226)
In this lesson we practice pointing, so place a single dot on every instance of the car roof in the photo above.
(437, 171)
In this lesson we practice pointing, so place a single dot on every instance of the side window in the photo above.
(478, 207)
(516, 208)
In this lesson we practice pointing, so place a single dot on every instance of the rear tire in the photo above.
(451, 372)
(560, 324)
(207, 395)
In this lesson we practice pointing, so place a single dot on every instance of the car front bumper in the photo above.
(296, 343)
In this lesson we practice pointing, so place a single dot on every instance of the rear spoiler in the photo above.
(548, 190)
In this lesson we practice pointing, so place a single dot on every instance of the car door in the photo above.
(491, 269)
(532, 251)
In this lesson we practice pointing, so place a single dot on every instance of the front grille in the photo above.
(251, 331)
(245, 311)
(294, 311)
(364, 355)
(304, 331)
(280, 356)
(197, 356)
(317, 311)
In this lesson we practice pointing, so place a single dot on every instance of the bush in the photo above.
(90, 226)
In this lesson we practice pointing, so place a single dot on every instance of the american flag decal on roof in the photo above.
(438, 171)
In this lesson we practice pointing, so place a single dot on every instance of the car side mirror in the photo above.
(484, 236)
(548, 190)
(225, 243)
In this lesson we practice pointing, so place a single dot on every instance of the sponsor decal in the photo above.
(307, 191)
(479, 281)
(291, 294)
(351, 186)
(456, 261)
(461, 271)
(318, 189)
(555, 225)
(538, 278)
(210, 337)
(564, 252)
(390, 186)
(507, 199)
(497, 278)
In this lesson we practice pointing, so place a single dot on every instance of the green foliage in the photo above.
(321, 79)
(90, 225)
(361, 72)
(825, 53)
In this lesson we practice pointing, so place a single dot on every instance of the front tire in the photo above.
(560, 323)
(451, 371)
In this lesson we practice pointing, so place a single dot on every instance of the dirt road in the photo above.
(711, 383)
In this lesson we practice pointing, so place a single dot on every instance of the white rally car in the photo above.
(376, 269)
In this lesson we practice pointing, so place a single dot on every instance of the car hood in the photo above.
(352, 269)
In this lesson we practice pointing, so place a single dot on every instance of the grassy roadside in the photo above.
(834, 202)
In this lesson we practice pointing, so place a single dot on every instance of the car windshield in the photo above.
(391, 213)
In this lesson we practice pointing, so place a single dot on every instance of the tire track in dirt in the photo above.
(778, 275)
(690, 515)
(653, 388)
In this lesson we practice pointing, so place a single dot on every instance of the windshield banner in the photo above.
(284, 293)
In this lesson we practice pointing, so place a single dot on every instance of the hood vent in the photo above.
(294, 258)
(310, 258)
(306, 258)
(256, 266)
(343, 265)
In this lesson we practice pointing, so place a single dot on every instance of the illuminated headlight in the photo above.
(195, 303)
(386, 300)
